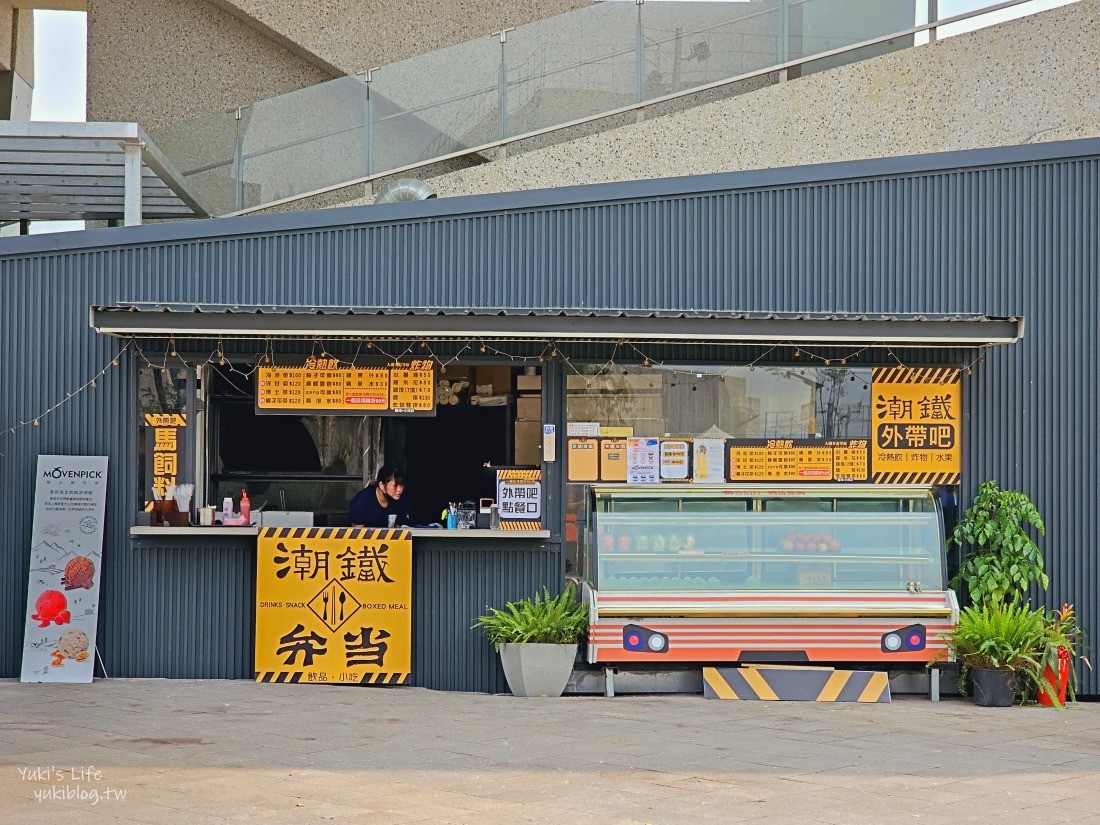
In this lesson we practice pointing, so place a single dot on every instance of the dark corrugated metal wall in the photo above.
(1011, 235)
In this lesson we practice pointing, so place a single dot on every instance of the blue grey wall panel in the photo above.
(1009, 231)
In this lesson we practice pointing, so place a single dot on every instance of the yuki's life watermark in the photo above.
(83, 783)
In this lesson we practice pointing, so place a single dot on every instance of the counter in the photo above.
(456, 573)
(416, 532)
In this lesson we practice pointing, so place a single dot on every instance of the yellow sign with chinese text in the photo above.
(328, 386)
(916, 421)
(334, 605)
(162, 465)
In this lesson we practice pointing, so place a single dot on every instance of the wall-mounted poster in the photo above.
(708, 460)
(334, 605)
(916, 417)
(643, 460)
(675, 460)
(65, 569)
(519, 498)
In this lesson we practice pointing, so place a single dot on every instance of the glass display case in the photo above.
(739, 573)
(684, 537)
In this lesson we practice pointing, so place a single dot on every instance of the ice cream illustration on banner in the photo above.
(51, 606)
(78, 573)
(73, 644)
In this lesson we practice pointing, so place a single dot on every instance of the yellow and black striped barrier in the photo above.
(795, 684)
(292, 677)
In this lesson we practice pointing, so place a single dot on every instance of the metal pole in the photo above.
(784, 50)
(639, 56)
(131, 198)
(24, 226)
(502, 88)
(933, 16)
(368, 125)
(238, 166)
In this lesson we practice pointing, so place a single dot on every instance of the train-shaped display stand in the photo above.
(815, 574)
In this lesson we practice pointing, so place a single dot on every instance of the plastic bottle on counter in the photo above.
(227, 510)
(246, 508)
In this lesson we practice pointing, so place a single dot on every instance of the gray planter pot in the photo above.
(537, 670)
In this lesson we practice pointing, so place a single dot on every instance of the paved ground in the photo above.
(198, 752)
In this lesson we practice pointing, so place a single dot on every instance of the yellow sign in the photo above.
(333, 605)
(798, 459)
(162, 464)
(916, 419)
(584, 459)
(328, 386)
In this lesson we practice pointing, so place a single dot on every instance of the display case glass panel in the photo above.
(734, 538)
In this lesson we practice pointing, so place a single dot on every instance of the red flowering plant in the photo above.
(1063, 641)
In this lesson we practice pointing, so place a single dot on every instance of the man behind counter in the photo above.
(375, 503)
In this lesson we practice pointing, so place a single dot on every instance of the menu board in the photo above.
(798, 459)
(327, 386)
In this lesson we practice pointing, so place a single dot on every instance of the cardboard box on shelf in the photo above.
(529, 408)
(499, 377)
(528, 383)
(528, 443)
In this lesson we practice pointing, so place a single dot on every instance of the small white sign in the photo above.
(674, 460)
(65, 569)
(583, 429)
(709, 461)
(521, 500)
(549, 442)
(643, 460)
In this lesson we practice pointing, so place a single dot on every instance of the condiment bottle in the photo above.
(246, 508)
(227, 509)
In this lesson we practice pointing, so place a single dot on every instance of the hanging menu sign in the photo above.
(674, 460)
(797, 459)
(327, 386)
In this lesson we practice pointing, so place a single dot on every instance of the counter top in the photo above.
(243, 532)
(217, 530)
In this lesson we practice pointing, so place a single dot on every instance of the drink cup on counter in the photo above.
(391, 520)
(206, 516)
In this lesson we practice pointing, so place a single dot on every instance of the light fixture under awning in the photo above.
(512, 324)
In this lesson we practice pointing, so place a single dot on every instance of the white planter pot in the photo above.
(537, 670)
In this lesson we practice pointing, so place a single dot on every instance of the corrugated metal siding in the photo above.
(1000, 232)
(452, 587)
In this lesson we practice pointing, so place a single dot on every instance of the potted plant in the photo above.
(1004, 559)
(999, 645)
(537, 640)
(1058, 679)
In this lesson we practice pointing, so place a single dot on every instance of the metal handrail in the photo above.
(637, 107)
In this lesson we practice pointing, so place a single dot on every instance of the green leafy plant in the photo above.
(1000, 636)
(544, 619)
(1004, 559)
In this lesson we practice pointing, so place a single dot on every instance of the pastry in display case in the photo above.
(810, 573)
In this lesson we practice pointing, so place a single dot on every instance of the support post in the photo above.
(368, 126)
(502, 87)
(131, 198)
(639, 56)
(933, 17)
(238, 166)
(609, 682)
(934, 684)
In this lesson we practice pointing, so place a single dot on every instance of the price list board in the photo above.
(803, 460)
(326, 386)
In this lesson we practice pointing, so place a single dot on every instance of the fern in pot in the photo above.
(537, 640)
(1001, 647)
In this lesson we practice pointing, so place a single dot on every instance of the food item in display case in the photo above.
(624, 543)
(688, 548)
(658, 543)
(607, 542)
(674, 543)
(641, 544)
(809, 543)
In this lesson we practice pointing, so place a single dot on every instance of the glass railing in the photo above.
(600, 59)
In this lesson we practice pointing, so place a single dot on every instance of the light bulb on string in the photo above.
(797, 353)
(36, 422)
(114, 362)
(172, 344)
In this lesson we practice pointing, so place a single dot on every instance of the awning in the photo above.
(87, 171)
(550, 324)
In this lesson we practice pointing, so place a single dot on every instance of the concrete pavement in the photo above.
(159, 751)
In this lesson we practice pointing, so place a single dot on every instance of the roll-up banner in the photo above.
(65, 569)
